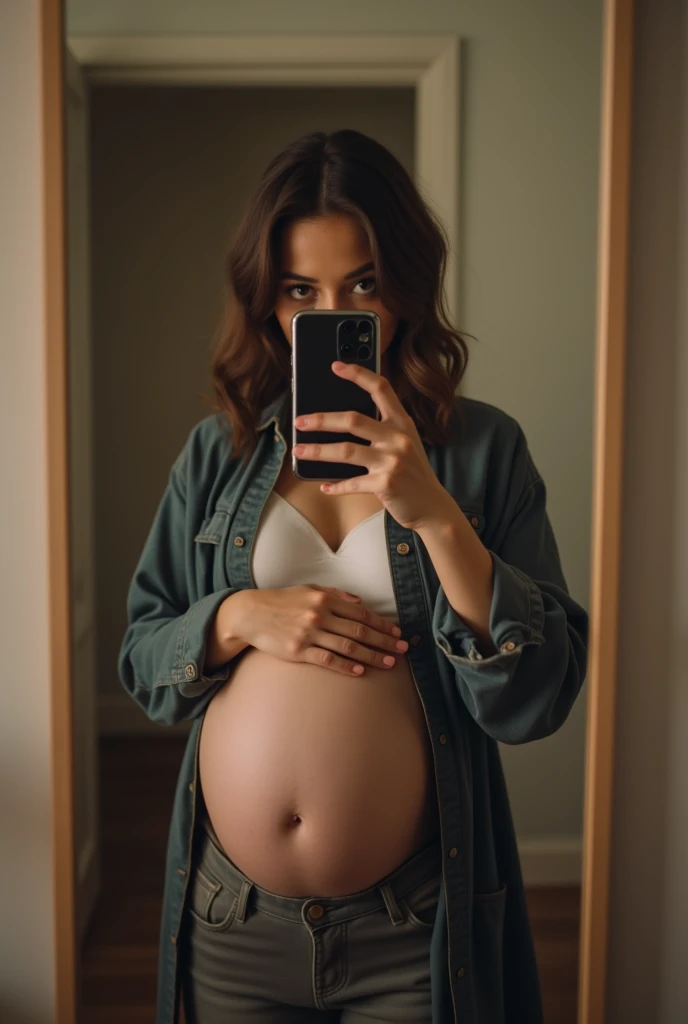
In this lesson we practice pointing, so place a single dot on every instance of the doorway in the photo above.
(169, 169)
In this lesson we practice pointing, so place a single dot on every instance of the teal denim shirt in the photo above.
(198, 552)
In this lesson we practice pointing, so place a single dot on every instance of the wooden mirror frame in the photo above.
(612, 257)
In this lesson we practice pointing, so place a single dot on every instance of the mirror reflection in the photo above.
(328, 720)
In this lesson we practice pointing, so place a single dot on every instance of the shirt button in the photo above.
(239, 542)
(181, 871)
(509, 646)
(415, 640)
(191, 787)
(474, 521)
(315, 912)
(443, 738)
(173, 940)
(461, 971)
(190, 671)
(403, 548)
(453, 852)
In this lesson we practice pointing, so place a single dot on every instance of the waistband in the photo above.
(421, 866)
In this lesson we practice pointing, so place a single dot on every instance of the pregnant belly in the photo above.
(315, 783)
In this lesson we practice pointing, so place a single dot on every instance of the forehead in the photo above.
(337, 241)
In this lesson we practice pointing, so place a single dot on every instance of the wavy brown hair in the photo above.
(341, 172)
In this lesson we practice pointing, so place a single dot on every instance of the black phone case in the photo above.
(317, 388)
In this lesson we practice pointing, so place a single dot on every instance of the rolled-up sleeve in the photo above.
(161, 660)
(526, 689)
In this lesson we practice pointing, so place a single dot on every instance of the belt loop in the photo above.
(395, 914)
(242, 900)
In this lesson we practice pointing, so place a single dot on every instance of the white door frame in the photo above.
(429, 63)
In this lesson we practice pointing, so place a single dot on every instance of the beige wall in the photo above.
(26, 884)
(527, 262)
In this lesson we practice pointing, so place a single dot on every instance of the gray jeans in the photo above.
(249, 955)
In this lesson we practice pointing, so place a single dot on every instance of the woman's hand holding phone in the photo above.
(322, 626)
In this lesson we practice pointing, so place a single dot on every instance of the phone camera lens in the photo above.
(364, 351)
(365, 331)
(348, 326)
(346, 349)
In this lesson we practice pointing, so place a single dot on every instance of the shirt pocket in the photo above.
(210, 544)
(488, 955)
(212, 529)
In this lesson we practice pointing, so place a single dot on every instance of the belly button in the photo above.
(295, 819)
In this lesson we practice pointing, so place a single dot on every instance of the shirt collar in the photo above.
(277, 408)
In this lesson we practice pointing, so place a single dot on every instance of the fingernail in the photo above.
(388, 659)
(396, 630)
(401, 645)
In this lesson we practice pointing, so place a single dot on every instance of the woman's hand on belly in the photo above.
(322, 626)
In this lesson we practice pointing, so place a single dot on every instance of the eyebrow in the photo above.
(313, 280)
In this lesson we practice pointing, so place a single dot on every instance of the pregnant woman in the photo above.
(341, 846)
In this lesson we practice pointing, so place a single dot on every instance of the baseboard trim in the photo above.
(551, 861)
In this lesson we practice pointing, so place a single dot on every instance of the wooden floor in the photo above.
(119, 960)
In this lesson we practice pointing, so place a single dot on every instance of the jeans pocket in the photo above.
(488, 955)
(211, 903)
(419, 905)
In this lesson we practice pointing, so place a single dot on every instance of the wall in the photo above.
(649, 891)
(26, 883)
(527, 262)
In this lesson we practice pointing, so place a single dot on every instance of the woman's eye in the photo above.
(293, 288)
(367, 280)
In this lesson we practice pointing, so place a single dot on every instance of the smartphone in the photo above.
(319, 336)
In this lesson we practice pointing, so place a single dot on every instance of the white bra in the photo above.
(288, 550)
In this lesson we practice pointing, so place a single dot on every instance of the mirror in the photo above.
(496, 118)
